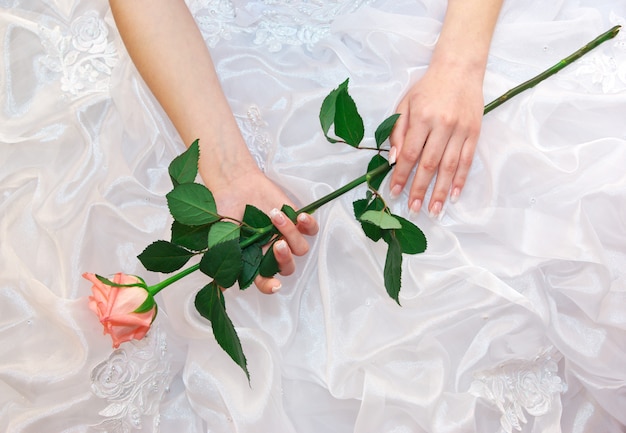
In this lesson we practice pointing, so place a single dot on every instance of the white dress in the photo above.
(513, 320)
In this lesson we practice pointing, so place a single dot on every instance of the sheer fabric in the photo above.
(513, 320)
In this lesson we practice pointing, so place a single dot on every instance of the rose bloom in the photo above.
(115, 307)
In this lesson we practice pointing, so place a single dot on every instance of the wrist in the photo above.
(463, 67)
(223, 162)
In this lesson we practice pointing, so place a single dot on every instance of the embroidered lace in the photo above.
(518, 387)
(81, 54)
(605, 71)
(272, 23)
(133, 380)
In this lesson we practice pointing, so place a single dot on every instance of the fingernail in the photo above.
(276, 288)
(435, 209)
(281, 245)
(303, 218)
(277, 217)
(415, 207)
(454, 197)
(395, 192)
(392, 155)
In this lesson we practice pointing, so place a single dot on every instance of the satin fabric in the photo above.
(513, 320)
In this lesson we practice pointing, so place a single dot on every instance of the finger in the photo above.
(445, 173)
(428, 165)
(298, 245)
(407, 157)
(307, 225)
(284, 258)
(267, 285)
(465, 162)
(286, 264)
(396, 138)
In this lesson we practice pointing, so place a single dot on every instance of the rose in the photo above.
(90, 33)
(124, 306)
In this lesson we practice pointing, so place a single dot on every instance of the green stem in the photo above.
(312, 207)
(163, 284)
(610, 34)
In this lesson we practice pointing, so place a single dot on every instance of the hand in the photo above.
(437, 130)
(251, 186)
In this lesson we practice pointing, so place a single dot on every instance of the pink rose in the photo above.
(115, 307)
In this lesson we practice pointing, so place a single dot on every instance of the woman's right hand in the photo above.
(189, 90)
(251, 186)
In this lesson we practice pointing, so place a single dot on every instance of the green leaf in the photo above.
(360, 206)
(194, 238)
(223, 263)
(393, 268)
(254, 221)
(255, 217)
(211, 305)
(376, 161)
(147, 305)
(384, 129)
(412, 240)
(290, 212)
(371, 231)
(192, 204)
(251, 260)
(140, 283)
(269, 265)
(184, 168)
(348, 122)
(381, 219)
(223, 231)
(163, 256)
(327, 112)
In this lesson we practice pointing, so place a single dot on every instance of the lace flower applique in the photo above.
(607, 68)
(80, 55)
(519, 387)
(133, 380)
(252, 127)
(272, 23)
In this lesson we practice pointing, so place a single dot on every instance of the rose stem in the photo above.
(312, 207)
(610, 34)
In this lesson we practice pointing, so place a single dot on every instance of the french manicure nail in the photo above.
(454, 197)
(415, 207)
(393, 153)
(277, 217)
(435, 209)
(281, 245)
(276, 288)
(303, 218)
(395, 192)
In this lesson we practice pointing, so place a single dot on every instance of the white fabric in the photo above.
(513, 320)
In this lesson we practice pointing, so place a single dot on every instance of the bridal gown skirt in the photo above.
(513, 320)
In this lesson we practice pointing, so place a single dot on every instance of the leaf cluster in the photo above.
(401, 236)
(230, 252)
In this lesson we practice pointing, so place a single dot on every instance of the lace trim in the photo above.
(253, 130)
(607, 68)
(520, 386)
(80, 55)
(272, 23)
(133, 380)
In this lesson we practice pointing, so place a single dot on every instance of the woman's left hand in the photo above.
(437, 131)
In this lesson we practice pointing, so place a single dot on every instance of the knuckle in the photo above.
(466, 159)
(429, 165)
(449, 165)
(411, 153)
